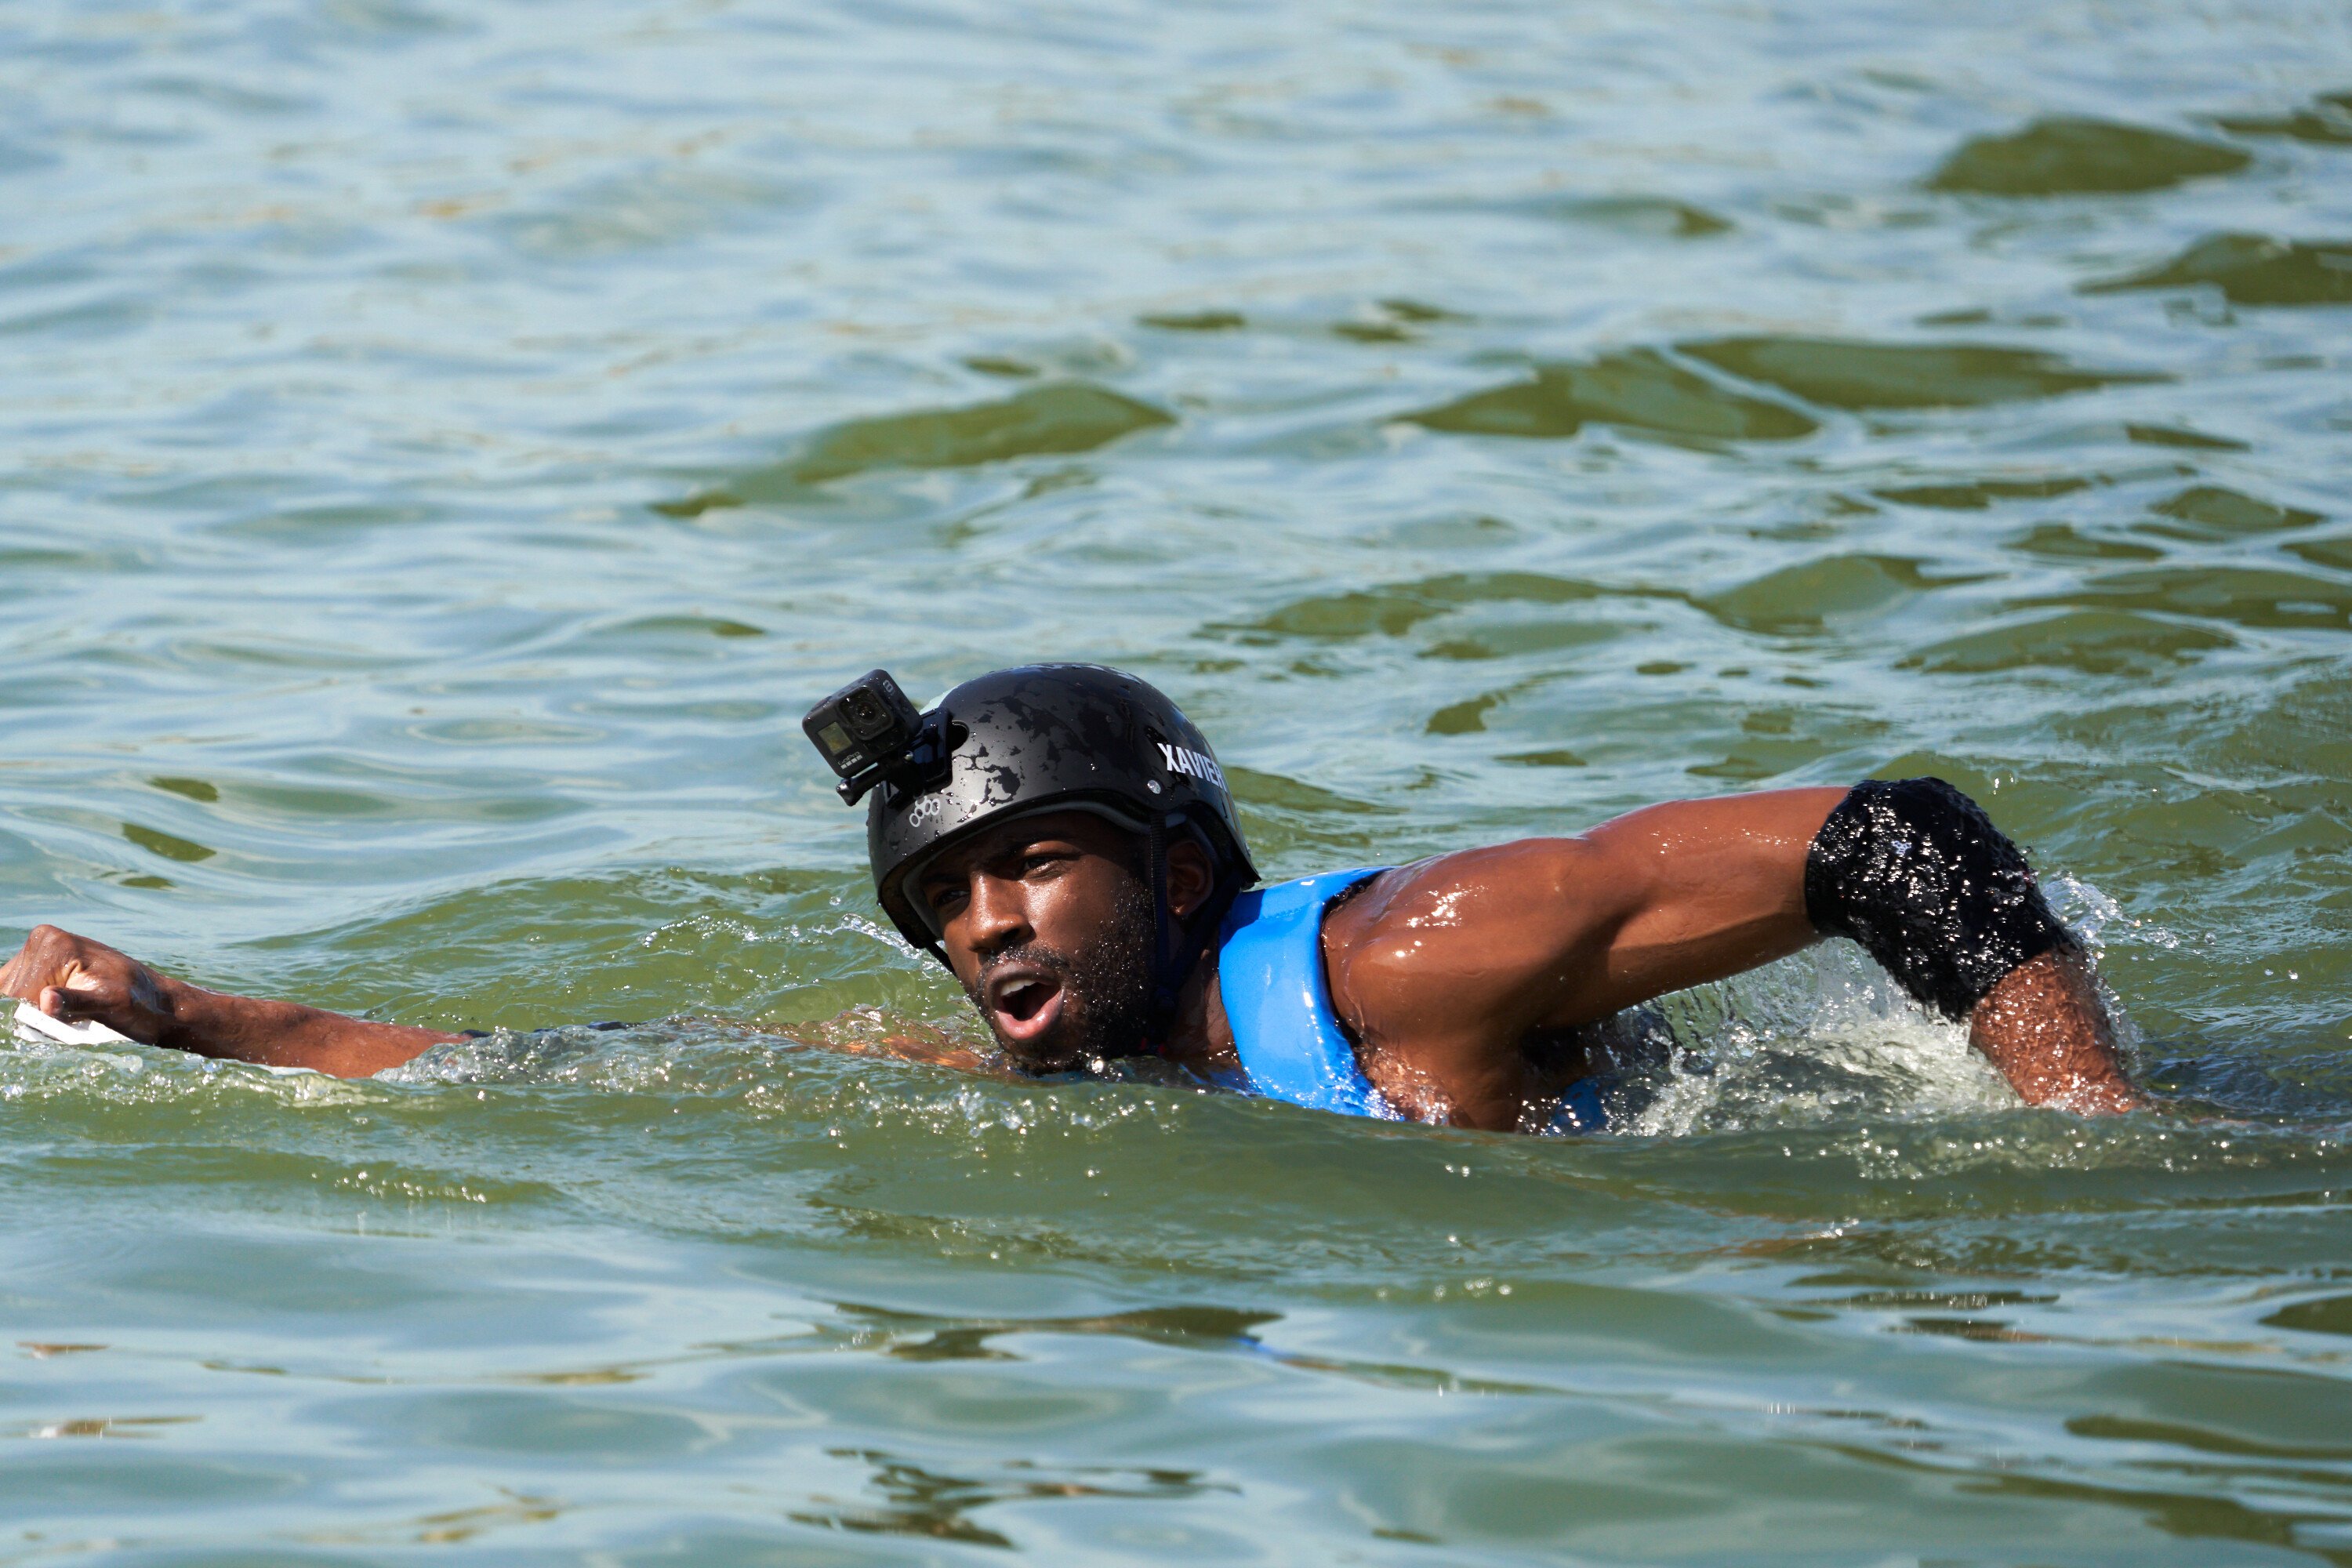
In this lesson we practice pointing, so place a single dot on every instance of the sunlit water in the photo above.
(442, 449)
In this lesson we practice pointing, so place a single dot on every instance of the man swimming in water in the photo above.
(1062, 838)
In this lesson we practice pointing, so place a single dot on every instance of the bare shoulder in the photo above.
(1471, 888)
(1455, 958)
(1474, 932)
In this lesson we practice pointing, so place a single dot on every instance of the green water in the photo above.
(442, 449)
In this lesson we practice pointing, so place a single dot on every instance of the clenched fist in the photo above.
(76, 980)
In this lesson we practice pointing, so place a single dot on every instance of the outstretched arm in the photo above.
(76, 980)
(1446, 966)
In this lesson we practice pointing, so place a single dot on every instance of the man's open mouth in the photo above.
(1024, 1002)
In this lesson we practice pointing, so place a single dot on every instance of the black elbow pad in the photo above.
(1914, 871)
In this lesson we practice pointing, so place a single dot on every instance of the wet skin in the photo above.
(1458, 977)
(1019, 905)
(1454, 971)
(79, 980)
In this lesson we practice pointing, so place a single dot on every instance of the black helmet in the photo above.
(1035, 738)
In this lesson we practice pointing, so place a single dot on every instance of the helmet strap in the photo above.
(1178, 946)
(1165, 982)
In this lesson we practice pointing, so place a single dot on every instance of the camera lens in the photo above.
(865, 714)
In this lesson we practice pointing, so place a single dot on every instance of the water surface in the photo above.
(443, 449)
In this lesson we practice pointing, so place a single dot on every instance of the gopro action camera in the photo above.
(865, 732)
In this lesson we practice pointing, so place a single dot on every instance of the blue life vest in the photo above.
(1270, 973)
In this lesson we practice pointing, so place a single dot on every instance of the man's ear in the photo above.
(1191, 878)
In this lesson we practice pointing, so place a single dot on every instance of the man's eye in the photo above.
(943, 899)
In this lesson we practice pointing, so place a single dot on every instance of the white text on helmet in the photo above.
(1190, 763)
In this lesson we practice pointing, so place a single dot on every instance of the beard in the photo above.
(1105, 989)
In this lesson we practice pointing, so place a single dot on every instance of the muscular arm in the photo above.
(1447, 966)
(77, 980)
(2044, 1027)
